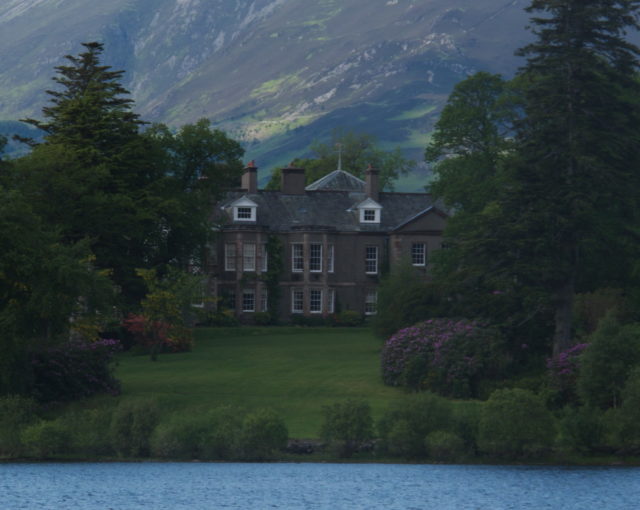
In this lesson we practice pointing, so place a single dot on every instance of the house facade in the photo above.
(330, 241)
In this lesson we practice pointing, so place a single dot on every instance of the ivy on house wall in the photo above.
(273, 274)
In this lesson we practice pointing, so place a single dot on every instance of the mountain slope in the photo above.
(275, 73)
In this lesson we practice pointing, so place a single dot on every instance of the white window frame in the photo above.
(371, 302)
(230, 257)
(297, 259)
(244, 213)
(248, 300)
(315, 300)
(419, 254)
(264, 266)
(297, 298)
(371, 260)
(249, 257)
(330, 258)
(367, 211)
(264, 300)
(315, 257)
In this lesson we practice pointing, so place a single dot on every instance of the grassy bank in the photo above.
(292, 370)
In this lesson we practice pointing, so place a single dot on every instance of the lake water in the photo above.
(195, 486)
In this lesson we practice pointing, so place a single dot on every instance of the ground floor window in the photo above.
(418, 254)
(315, 301)
(297, 301)
(248, 300)
(371, 302)
(264, 301)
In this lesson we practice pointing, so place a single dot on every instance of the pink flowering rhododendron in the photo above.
(443, 355)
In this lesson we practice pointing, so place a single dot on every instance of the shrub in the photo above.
(262, 318)
(158, 336)
(442, 355)
(404, 426)
(46, 438)
(89, 431)
(627, 429)
(74, 370)
(221, 442)
(132, 425)
(444, 446)
(582, 429)
(15, 413)
(347, 425)
(606, 363)
(348, 318)
(263, 433)
(515, 423)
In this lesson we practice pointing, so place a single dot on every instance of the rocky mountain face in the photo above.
(275, 73)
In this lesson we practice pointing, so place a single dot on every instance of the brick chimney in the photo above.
(250, 178)
(372, 183)
(292, 181)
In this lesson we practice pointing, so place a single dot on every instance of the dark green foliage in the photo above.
(132, 425)
(627, 426)
(404, 427)
(272, 277)
(262, 435)
(74, 370)
(348, 425)
(404, 298)
(613, 351)
(515, 423)
(46, 439)
(348, 318)
(16, 413)
(582, 429)
(444, 446)
(358, 151)
(89, 431)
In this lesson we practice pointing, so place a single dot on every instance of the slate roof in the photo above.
(338, 180)
(331, 210)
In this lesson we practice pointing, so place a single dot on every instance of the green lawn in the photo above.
(293, 370)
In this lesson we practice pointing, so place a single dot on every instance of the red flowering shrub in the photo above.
(158, 336)
(442, 355)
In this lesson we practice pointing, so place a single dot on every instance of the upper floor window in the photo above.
(229, 257)
(315, 257)
(249, 257)
(297, 257)
(265, 259)
(371, 260)
(418, 254)
(330, 258)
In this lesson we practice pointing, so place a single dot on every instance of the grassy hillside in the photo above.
(293, 370)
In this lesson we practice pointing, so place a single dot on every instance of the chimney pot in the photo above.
(292, 181)
(372, 183)
(250, 178)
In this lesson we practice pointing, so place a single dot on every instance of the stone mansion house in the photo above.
(335, 235)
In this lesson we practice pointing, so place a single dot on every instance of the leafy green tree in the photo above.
(44, 283)
(471, 140)
(352, 152)
(192, 167)
(605, 365)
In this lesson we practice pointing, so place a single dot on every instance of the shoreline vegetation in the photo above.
(245, 394)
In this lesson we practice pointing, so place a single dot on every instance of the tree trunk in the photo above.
(562, 338)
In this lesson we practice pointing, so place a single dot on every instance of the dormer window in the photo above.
(244, 209)
(369, 211)
(245, 213)
(370, 216)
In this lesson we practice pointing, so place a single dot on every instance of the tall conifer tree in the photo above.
(576, 185)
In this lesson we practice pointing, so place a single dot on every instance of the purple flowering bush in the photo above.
(563, 371)
(75, 369)
(445, 356)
